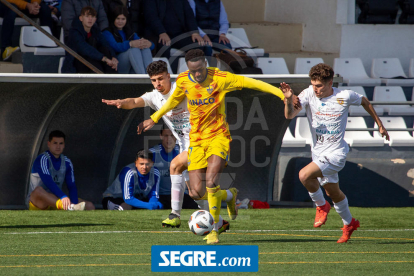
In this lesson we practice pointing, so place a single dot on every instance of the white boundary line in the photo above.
(175, 231)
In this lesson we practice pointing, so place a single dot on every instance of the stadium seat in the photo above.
(19, 21)
(182, 65)
(32, 40)
(303, 65)
(360, 138)
(397, 138)
(60, 65)
(388, 69)
(392, 94)
(238, 38)
(302, 130)
(377, 11)
(353, 72)
(166, 61)
(359, 110)
(272, 65)
(176, 52)
(291, 142)
(411, 69)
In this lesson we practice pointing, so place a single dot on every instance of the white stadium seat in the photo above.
(302, 130)
(272, 65)
(397, 138)
(238, 38)
(360, 138)
(61, 60)
(353, 72)
(392, 94)
(182, 65)
(411, 69)
(359, 110)
(166, 61)
(389, 68)
(303, 65)
(291, 142)
(32, 40)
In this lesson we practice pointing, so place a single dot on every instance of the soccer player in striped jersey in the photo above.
(49, 171)
(136, 186)
(205, 89)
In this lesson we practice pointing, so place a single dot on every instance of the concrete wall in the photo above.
(378, 41)
(245, 10)
(321, 31)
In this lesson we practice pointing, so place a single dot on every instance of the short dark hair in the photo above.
(164, 126)
(144, 154)
(194, 55)
(57, 134)
(157, 67)
(321, 72)
(88, 10)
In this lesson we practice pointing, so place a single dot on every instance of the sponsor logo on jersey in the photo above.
(341, 101)
(199, 102)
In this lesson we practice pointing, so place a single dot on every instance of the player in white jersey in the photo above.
(327, 111)
(178, 121)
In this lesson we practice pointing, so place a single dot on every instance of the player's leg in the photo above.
(177, 166)
(88, 205)
(309, 178)
(342, 208)
(42, 199)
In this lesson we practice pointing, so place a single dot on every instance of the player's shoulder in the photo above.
(216, 73)
(182, 77)
(343, 92)
(307, 91)
(156, 148)
(156, 171)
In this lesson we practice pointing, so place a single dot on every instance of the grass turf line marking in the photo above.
(179, 231)
(149, 254)
(339, 262)
(76, 255)
(69, 265)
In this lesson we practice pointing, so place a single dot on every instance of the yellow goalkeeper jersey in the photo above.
(205, 101)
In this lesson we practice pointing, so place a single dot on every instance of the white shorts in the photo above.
(184, 144)
(329, 164)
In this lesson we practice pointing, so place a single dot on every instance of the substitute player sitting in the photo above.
(178, 121)
(327, 111)
(49, 171)
(136, 186)
(205, 89)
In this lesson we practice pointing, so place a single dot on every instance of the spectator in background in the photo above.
(86, 39)
(136, 186)
(71, 9)
(133, 53)
(55, 6)
(166, 20)
(135, 11)
(212, 23)
(34, 9)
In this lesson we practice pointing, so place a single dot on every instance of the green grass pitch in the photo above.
(119, 243)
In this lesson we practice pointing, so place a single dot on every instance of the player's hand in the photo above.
(197, 36)
(384, 132)
(207, 41)
(154, 205)
(66, 203)
(223, 38)
(145, 125)
(164, 39)
(287, 91)
(118, 103)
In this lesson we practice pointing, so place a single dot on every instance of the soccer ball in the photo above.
(201, 222)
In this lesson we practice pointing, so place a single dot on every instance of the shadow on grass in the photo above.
(54, 225)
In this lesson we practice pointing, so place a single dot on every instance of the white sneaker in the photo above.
(77, 207)
(113, 206)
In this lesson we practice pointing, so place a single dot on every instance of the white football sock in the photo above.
(317, 197)
(342, 208)
(177, 193)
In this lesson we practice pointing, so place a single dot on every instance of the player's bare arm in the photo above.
(145, 125)
(128, 103)
(290, 110)
(371, 111)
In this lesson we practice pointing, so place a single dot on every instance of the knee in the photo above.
(175, 167)
(37, 191)
(303, 176)
(195, 194)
